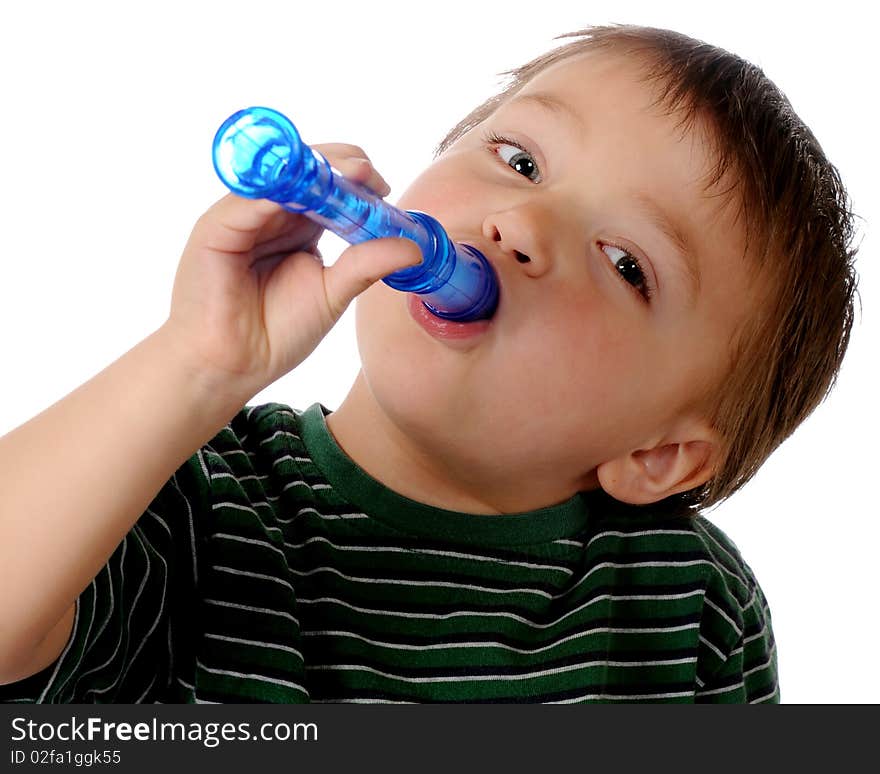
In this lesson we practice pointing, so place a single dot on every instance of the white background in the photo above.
(108, 111)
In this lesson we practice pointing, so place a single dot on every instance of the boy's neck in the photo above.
(369, 437)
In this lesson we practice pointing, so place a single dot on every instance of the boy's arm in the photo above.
(250, 302)
(47, 651)
(78, 476)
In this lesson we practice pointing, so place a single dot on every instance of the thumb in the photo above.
(360, 265)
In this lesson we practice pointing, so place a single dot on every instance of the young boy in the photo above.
(499, 511)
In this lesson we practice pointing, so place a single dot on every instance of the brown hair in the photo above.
(787, 356)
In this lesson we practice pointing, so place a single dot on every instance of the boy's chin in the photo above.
(429, 408)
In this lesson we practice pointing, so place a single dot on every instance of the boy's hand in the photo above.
(252, 299)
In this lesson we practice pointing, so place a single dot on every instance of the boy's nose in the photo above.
(518, 235)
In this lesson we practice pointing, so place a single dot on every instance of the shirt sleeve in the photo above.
(749, 672)
(136, 623)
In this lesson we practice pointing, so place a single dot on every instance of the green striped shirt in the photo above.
(270, 568)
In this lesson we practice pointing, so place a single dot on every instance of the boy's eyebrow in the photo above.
(554, 105)
(678, 236)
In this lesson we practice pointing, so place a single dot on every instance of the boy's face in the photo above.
(606, 338)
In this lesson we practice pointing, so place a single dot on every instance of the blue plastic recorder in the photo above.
(258, 154)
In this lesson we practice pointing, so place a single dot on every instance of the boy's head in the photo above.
(676, 280)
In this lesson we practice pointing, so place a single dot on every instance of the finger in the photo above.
(354, 164)
(362, 171)
(297, 236)
(340, 149)
(360, 265)
(232, 224)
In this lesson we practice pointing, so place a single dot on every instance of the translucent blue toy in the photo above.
(258, 154)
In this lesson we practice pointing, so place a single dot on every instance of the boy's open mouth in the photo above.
(445, 330)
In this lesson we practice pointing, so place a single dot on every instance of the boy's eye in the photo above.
(515, 156)
(629, 269)
(511, 153)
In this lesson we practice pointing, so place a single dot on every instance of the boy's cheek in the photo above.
(441, 195)
(385, 332)
(373, 311)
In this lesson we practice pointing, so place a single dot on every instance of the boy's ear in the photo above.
(650, 475)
